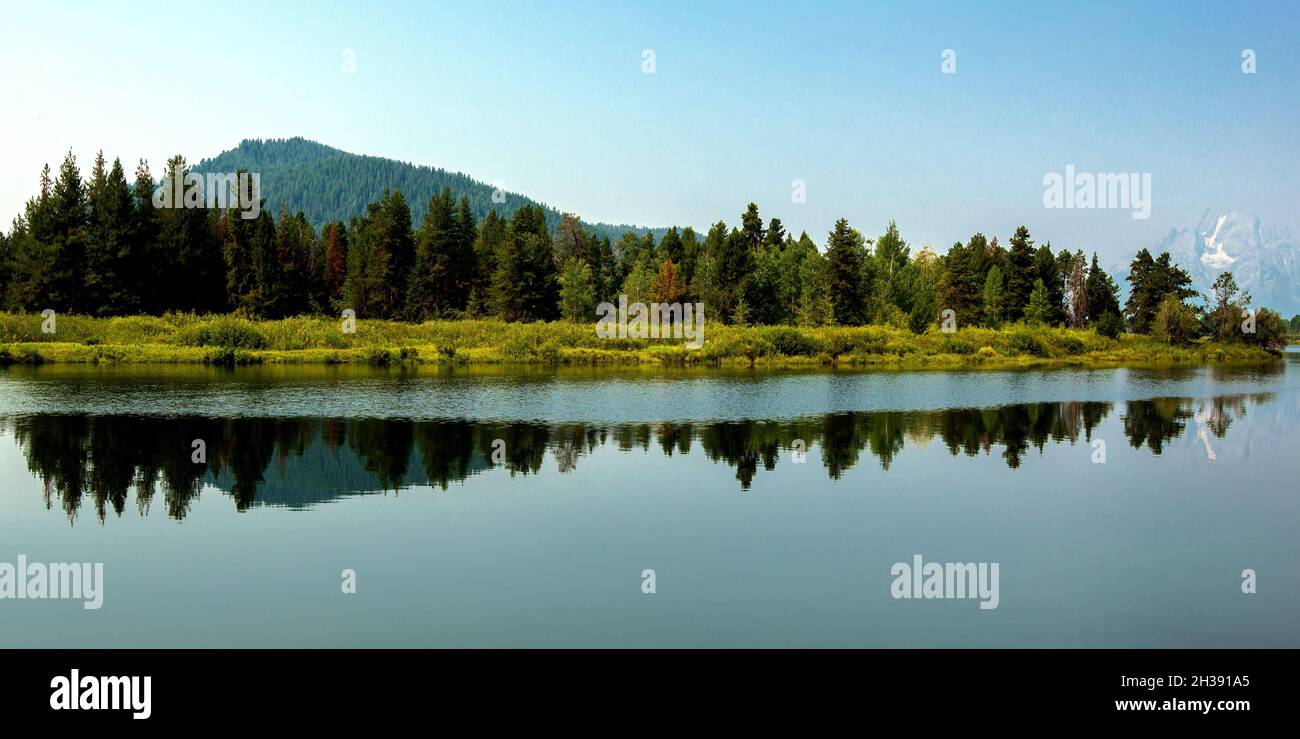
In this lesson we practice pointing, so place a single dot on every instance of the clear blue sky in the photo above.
(549, 98)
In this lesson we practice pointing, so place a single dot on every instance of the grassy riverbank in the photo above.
(182, 338)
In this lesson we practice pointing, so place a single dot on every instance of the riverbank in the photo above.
(224, 340)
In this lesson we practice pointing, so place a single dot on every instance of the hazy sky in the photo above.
(550, 99)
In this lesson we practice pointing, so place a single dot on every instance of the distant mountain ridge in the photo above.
(1262, 257)
(329, 184)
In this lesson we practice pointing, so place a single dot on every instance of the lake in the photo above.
(528, 507)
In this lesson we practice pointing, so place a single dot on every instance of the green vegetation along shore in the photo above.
(225, 340)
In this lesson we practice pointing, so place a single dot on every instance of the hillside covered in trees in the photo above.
(100, 247)
(329, 184)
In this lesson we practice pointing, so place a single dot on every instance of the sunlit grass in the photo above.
(187, 338)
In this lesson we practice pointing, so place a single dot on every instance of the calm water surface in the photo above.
(520, 507)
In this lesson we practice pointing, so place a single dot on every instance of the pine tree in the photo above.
(145, 277)
(1103, 293)
(111, 252)
(815, 307)
(1039, 308)
(68, 224)
(667, 287)
(690, 256)
(1020, 275)
(386, 256)
(844, 255)
(1142, 304)
(922, 276)
(960, 284)
(751, 226)
(6, 266)
(433, 289)
(525, 284)
(335, 268)
(671, 248)
(705, 285)
(487, 245)
(735, 265)
(577, 291)
(888, 260)
(994, 298)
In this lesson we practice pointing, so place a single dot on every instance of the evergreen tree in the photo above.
(487, 245)
(193, 269)
(1142, 303)
(961, 283)
(922, 279)
(705, 286)
(1039, 308)
(775, 235)
(144, 234)
(112, 257)
(1020, 276)
(844, 255)
(667, 287)
(1154, 280)
(434, 282)
(690, 255)
(735, 264)
(1048, 270)
(671, 248)
(1103, 293)
(765, 286)
(68, 215)
(815, 306)
(6, 268)
(335, 268)
(889, 259)
(994, 299)
(577, 291)
(525, 285)
(751, 226)
(385, 256)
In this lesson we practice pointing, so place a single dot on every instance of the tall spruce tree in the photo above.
(1103, 293)
(844, 254)
(112, 254)
(1020, 276)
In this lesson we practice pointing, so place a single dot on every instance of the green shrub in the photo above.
(1110, 325)
(792, 342)
(1025, 342)
(1175, 323)
(1073, 345)
(955, 344)
(233, 333)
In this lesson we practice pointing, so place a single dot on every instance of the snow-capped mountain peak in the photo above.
(1262, 256)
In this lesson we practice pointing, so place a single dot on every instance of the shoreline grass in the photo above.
(228, 340)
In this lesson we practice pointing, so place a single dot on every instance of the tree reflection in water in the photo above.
(301, 462)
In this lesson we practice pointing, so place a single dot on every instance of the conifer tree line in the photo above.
(100, 247)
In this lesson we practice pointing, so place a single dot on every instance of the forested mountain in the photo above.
(329, 184)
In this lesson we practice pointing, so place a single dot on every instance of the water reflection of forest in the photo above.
(304, 462)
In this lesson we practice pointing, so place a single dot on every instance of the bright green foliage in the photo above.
(1039, 309)
(577, 291)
